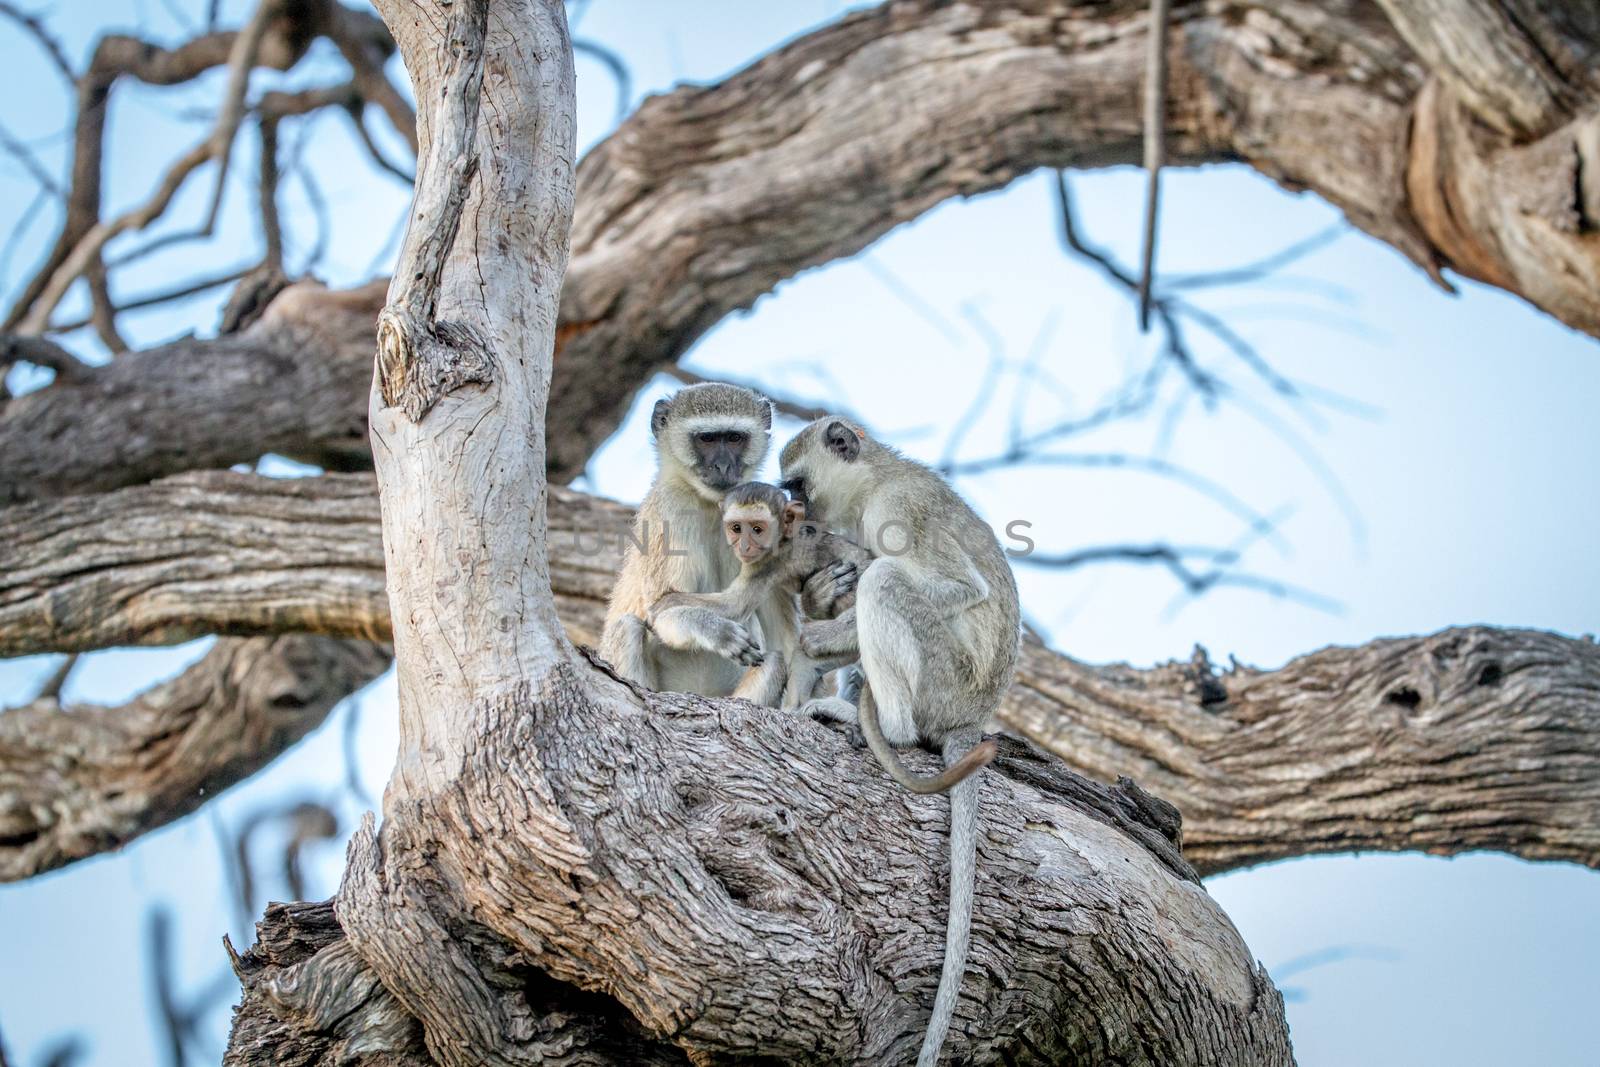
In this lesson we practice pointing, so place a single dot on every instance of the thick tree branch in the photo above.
(1499, 750)
(287, 383)
(240, 554)
(938, 101)
(77, 781)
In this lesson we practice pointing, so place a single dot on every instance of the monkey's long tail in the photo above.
(958, 923)
(980, 756)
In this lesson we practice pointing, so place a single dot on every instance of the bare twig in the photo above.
(1155, 144)
(241, 61)
(365, 45)
(41, 353)
(102, 310)
(19, 151)
(614, 65)
(1160, 468)
(36, 29)
(1258, 269)
(267, 192)
(51, 689)
(795, 409)
(357, 113)
(1176, 347)
(164, 296)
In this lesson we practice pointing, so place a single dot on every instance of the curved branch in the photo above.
(1471, 738)
(78, 781)
(938, 101)
(294, 381)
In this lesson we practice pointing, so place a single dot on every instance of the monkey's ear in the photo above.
(658, 416)
(794, 511)
(842, 441)
(766, 413)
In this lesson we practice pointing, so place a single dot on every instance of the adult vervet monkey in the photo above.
(709, 438)
(937, 625)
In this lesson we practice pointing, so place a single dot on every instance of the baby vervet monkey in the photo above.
(778, 551)
(937, 626)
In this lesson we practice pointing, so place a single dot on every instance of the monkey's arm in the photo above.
(831, 639)
(691, 627)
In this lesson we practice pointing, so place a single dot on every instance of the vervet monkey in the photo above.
(937, 625)
(778, 550)
(708, 438)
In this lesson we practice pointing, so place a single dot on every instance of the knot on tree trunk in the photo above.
(419, 363)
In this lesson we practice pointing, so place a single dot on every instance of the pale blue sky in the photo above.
(1453, 487)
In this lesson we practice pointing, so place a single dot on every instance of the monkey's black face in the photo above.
(796, 488)
(720, 457)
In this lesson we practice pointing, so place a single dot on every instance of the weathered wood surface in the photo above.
(1473, 738)
(77, 781)
(824, 145)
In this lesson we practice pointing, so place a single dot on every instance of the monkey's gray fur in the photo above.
(708, 439)
(937, 625)
(767, 588)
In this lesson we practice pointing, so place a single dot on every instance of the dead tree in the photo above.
(571, 871)
(561, 852)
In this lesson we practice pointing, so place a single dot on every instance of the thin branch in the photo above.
(19, 151)
(986, 388)
(366, 46)
(1175, 346)
(1160, 468)
(795, 409)
(102, 310)
(614, 65)
(319, 205)
(36, 29)
(42, 353)
(357, 113)
(165, 296)
(908, 296)
(1155, 144)
(267, 193)
(1259, 269)
(51, 689)
(241, 61)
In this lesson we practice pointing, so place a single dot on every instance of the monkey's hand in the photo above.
(731, 640)
(831, 639)
(820, 596)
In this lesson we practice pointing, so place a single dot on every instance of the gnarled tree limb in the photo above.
(671, 854)
(1500, 750)
(936, 101)
(78, 781)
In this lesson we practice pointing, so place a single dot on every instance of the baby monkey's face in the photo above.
(752, 531)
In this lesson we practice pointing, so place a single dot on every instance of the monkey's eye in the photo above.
(706, 438)
(734, 527)
(758, 529)
(736, 438)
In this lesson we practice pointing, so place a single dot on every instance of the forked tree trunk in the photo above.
(570, 870)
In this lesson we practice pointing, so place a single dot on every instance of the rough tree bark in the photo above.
(828, 143)
(548, 826)
(78, 781)
(1474, 738)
